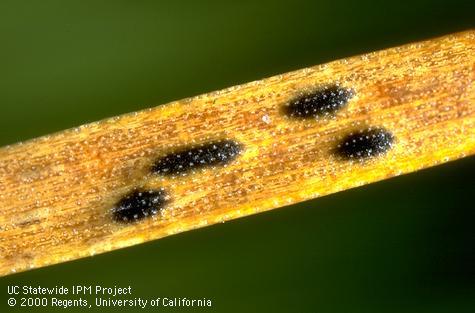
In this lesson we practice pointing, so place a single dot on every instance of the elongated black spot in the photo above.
(323, 102)
(365, 143)
(188, 159)
(139, 204)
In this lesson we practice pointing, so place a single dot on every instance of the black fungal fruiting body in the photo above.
(208, 154)
(139, 204)
(323, 102)
(365, 144)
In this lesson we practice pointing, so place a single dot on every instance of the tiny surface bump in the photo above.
(366, 143)
(209, 154)
(323, 102)
(139, 204)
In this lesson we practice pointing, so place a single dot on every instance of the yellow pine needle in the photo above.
(57, 192)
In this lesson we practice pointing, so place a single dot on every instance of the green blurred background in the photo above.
(402, 245)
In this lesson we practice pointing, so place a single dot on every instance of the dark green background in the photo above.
(402, 245)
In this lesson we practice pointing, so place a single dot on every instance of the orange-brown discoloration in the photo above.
(56, 192)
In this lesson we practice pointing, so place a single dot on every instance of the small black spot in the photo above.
(139, 204)
(28, 222)
(208, 154)
(365, 143)
(323, 102)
